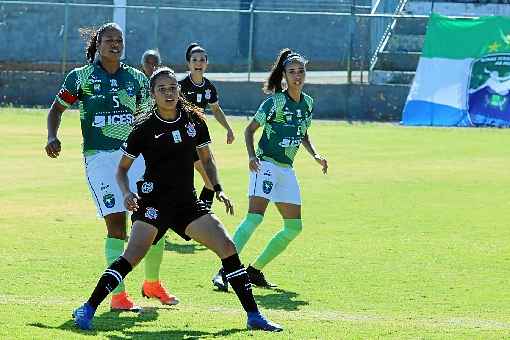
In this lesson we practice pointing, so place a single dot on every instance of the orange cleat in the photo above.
(158, 291)
(122, 302)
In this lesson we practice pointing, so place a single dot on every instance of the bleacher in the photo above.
(397, 59)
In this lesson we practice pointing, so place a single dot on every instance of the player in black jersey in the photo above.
(167, 199)
(200, 91)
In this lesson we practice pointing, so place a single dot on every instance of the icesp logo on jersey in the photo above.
(119, 119)
(287, 142)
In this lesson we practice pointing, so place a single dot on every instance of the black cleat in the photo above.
(220, 281)
(257, 278)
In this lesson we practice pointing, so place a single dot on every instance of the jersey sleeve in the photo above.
(70, 90)
(203, 137)
(265, 111)
(214, 94)
(144, 100)
(133, 146)
(310, 102)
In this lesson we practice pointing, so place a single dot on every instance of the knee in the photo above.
(117, 231)
(118, 234)
(292, 228)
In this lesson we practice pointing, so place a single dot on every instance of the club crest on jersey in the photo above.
(267, 186)
(177, 136)
(190, 129)
(130, 89)
(151, 213)
(97, 87)
(99, 121)
(207, 94)
(147, 187)
(113, 82)
(109, 200)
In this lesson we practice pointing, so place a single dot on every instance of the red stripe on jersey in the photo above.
(67, 96)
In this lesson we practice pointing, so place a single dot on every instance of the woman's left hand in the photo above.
(323, 162)
(230, 136)
(222, 197)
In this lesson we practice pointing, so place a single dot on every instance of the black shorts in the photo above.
(195, 156)
(165, 214)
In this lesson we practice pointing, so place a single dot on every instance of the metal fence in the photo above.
(240, 36)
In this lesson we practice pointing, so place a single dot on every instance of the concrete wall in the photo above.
(341, 101)
(34, 34)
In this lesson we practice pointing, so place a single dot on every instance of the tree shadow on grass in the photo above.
(188, 334)
(110, 321)
(190, 247)
(280, 300)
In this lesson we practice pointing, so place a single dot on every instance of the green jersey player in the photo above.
(286, 117)
(111, 97)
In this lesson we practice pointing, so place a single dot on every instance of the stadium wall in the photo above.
(333, 101)
(34, 34)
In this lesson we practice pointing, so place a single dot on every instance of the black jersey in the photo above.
(168, 148)
(200, 95)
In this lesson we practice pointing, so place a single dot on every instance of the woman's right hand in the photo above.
(254, 164)
(53, 147)
(131, 201)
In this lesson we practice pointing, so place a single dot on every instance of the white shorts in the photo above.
(276, 183)
(100, 170)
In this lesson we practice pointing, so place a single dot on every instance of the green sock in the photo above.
(291, 229)
(113, 248)
(245, 229)
(153, 260)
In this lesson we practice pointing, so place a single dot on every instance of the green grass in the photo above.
(406, 238)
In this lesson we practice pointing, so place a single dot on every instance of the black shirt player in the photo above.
(200, 91)
(166, 197)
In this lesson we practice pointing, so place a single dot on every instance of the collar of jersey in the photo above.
(98, 64)
(301, 97)
(156, 114)
(191, 79)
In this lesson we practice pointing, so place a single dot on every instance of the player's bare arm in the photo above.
(53, 145)
(130, 198)
(207, 159)
(254, 163)
(219, 115)
(308, 145)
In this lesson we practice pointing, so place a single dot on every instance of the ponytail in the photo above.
(94, 38)
(274, 81)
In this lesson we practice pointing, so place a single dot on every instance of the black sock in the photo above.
(110, 279)
(207, 196)
(238, 279)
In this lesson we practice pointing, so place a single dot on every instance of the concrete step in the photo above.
(457, 9)
(416, 26)
(381, 77)
(397, 61)
(405, 43)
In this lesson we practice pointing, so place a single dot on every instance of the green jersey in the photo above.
(285, 125)
(108, 103)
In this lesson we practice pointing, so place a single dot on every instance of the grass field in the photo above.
(407, 237)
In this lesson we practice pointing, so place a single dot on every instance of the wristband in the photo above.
(217, 188)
